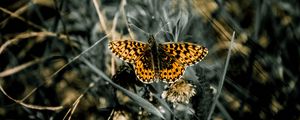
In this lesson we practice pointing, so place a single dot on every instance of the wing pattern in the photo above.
(186, 53)
(127, 50)
(144, 68)
(170, 69)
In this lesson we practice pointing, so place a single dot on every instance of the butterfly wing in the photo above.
(186, 53)
(127, 50)
(144, 67)
(170, 70)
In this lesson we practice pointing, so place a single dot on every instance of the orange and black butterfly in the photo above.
(154, 61)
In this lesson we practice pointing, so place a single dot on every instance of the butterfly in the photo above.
(154, 61)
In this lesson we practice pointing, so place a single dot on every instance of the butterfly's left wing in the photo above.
(170, 70)
(144, 67)
(184, 52)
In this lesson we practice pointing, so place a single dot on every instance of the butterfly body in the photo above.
(154, 61)
(153, 50)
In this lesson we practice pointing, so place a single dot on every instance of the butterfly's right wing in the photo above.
(170, 69)
(186, 53)
(127, 50)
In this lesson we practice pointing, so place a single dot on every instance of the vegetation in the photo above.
(55, 62)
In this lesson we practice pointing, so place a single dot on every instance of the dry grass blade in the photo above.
(78, 56)
(75, 104)
(122, 8)
(37, 107)
(139, 100)
(28, 64)
(101, 16)
(22, 19)
(164, 104)
(73, 108)
(17, 12)
(25, 35)
(218, 26)
(223, 110)
(222, 78)
(17, 69)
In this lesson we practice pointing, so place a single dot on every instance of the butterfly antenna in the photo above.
(161, 30)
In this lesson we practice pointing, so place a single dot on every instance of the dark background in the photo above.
(39, 37)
